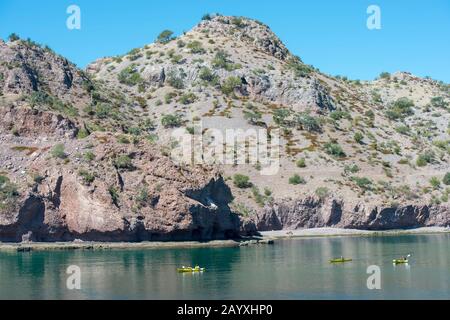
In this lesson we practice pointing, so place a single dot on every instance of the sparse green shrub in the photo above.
(89, 156)
(143, 197)
(130, 76)
(425, 158)
(196, 47)
(124, 139)
(400, 109)
(296, 180)
(351, 169)
(168, 97)
(334, 149)
(280, 116)
(339, 115)
(86, 176)
(439, 102)
(171, 121)
(123, 162)
(175, 80)
(231, 84)
(363, 183)
(82, 133)
(359, 137)
(8, 193)
(435, 182)
(114, 195)
(206, 17)
(238, 22)
(13, 37)
(322, 192)
(134, 54)
(241, 181)
(187, 98)
(307, 122)
(58, 151)
(404, 129)
(221, 61)
(54, 103)
(165, 37)
(298, 68)
(252, 116)
(301, 163)
(446, 179)
(208, 77)
(385, 75)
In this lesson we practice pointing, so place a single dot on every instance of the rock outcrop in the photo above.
(130, 193)
(313, 212)
(27, 67)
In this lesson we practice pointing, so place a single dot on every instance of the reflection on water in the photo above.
(291, 269)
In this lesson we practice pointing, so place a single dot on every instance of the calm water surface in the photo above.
(290, 269)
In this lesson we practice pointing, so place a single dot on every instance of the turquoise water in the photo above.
(290, 269)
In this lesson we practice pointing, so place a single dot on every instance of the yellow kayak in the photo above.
(401, 261)
(190, 270)
(340, 260)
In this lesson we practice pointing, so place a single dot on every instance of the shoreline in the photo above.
(267, 237)
(339, 232)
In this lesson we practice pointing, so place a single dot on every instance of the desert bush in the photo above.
(165, 37)
(351, 169)
(230, 84)
(54, 103)
(58, 151)
(123, 162)
(175, 80)
(404, 129)
(171, 121)
(13, 37)
(208, 76)
(221, 61)
(252, 116)
(427, 157)
(334, 149)
(196, 47)
(400, 109)
(439, 102)
(446, 179)
(298, 68)
(435, 182)
(280, 116)
(86, 176)
(385, 75)
(8, 193)
(142, 197)
(130, 76)
(296, 180)
(187, 98)
(359, 137)
(363, 183)
(301, 163)
(241, 181)
(322, 192)
(307, 122)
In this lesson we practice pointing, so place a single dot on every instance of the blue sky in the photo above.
(331, 35)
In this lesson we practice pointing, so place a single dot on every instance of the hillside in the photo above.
(355, 154)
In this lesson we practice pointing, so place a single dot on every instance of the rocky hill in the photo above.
(86, 155)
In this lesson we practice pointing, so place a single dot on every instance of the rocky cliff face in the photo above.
(313, 212)
(85, 154)
(26, 67)
(123, 193)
